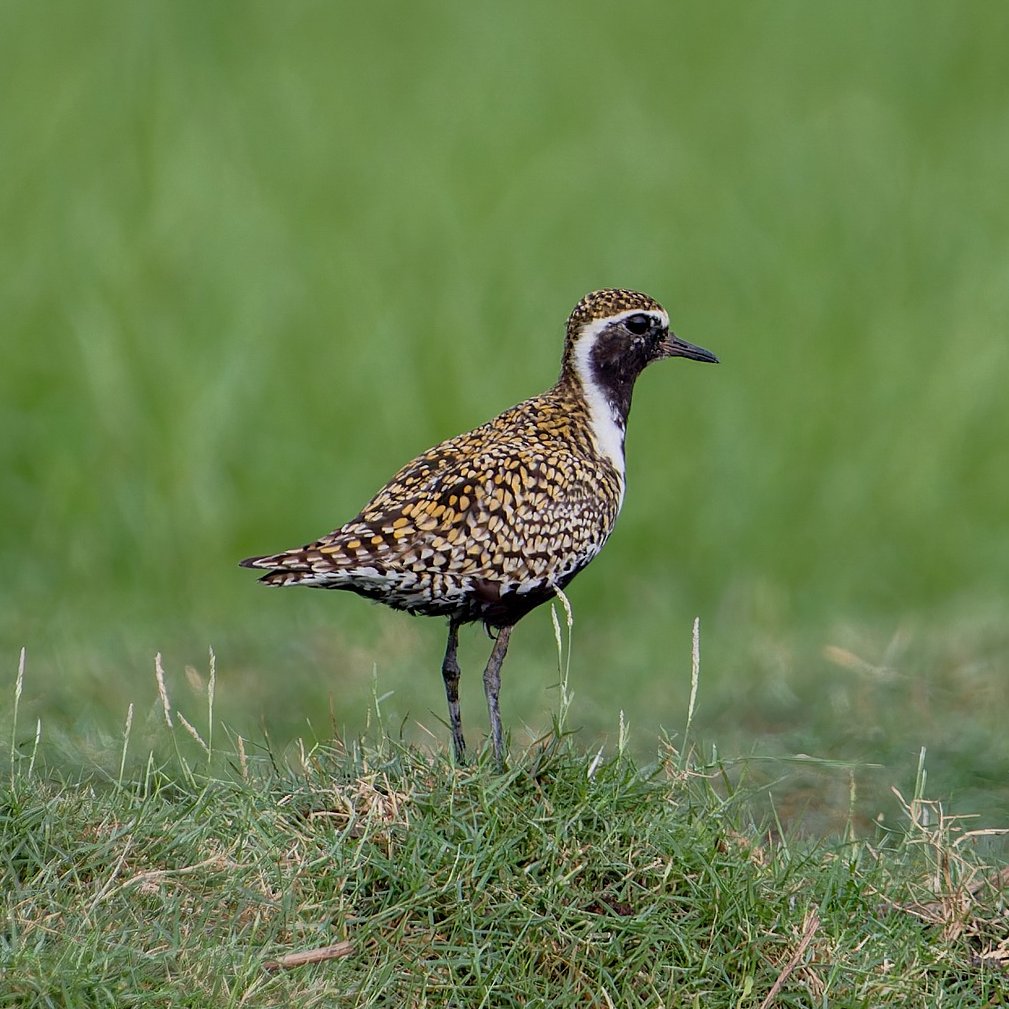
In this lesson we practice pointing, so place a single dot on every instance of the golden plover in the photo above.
(487, 525)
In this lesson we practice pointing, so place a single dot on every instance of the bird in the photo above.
(488, 525)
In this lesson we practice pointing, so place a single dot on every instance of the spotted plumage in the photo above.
(487, 525)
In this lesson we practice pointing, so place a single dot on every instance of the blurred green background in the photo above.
(256, 256)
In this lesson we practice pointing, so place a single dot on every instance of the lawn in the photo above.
(375, 875)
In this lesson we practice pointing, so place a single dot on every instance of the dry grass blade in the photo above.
(153, 876)
(307, 956)
(812, 923)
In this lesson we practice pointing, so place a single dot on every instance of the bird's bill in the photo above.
(673, 346)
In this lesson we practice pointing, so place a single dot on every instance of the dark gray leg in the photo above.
(450, 673)
(492, 687)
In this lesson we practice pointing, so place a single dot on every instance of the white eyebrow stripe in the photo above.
(598, 325)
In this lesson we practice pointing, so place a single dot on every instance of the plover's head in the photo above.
(613, 335)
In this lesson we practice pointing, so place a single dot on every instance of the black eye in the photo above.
(638, 324)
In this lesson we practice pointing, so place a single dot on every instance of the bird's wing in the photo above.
(494, 504)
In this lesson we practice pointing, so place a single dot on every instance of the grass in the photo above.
(207, 877)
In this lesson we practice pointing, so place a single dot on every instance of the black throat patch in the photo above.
(616, 363)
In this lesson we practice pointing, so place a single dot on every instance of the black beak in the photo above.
(673, 346)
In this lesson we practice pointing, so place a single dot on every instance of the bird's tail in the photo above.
(281, 569)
